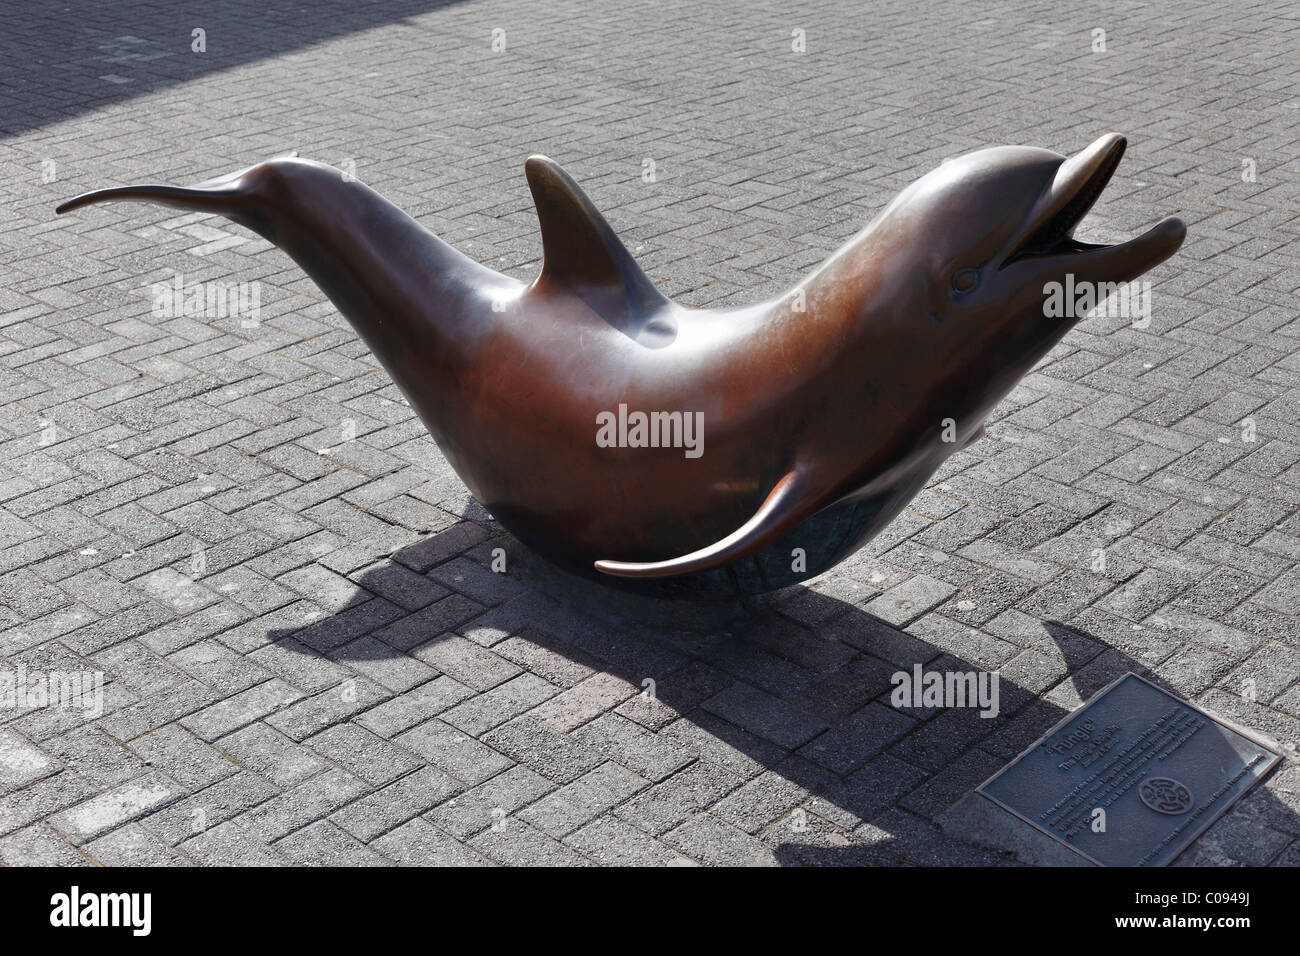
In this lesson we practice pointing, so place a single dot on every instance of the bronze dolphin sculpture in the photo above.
(816, 416)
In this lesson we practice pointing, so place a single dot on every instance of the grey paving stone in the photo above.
(494, 707)
(417, 705)
(453, 752)
(21, 761)
(854, 740)
(490, 802)
(273, 755)
(363, 754)
(241, 709)
(425, 625)
(230, 845)
(296, 664)
(38, 845)
(611, 842)
(557, 757)
(209, 807)
(715, 842)
(769, 796)
(133, 845)
(515, 843)
(311, 715)
(183, 757)
(632, 746)
(771, 718)
(376, 660)
(114, 807)
(583, 701)
(384, 810)
(670, 802)
(418, 843)
(301, 805)
(564, 810)
(324, 844)
(562, 669)
(463, 660)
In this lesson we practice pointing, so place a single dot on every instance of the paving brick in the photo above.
(555, 756)
(583, 702)
(301, 805)
(241, 709)
(38, 845)
(377, 661)
(611, 842)
(490, 802)
(324, 844)
(515, 843)
(386, 809)
(133, 845)
(564, 810)
(363, 754)
(782, 722)
(21, 761)
(453, 752)
(676, 799)
(631, 745)
(183, 757)
(424, 626)
(114, 807)
(471, 665)
(418, 843)
(414, 707)
(313, 714)
(269, 752)
(716, 842)
(209, 807)
(494, 707)
(228, 844)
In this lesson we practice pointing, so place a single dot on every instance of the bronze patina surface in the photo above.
(723, 450)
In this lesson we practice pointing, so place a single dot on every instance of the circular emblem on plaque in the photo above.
(1164, 795)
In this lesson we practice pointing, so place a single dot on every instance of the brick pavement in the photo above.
(307, 658)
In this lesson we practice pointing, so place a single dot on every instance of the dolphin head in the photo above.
(989, 232)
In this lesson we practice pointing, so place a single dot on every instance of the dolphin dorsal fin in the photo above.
(580, 251)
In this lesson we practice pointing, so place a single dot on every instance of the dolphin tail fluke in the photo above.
(778, 514)
(224, 195)
(214, 198)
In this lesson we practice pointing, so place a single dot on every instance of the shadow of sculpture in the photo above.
(82, 55)
(790, 691)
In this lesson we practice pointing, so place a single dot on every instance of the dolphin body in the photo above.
(823, 411)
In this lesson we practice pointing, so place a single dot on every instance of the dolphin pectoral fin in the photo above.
(776, 516)
(579, 249)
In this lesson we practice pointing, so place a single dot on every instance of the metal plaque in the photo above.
(1131, 777)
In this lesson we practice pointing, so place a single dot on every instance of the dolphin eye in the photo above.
(965, 280)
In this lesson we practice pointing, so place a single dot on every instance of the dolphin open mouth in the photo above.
(1079, 181)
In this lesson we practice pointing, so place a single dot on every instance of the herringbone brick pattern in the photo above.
(307, 656)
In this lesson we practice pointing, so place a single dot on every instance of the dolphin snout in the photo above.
(1047, 241)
